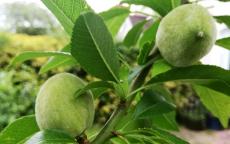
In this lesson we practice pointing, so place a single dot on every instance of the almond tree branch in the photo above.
(122, 108)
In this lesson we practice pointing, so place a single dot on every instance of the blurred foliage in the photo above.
(17, 91)
(187, 101)
(4, 40)
(105, 105)
(12, 44)
(23, 42)
(31, 30)
(27, 18)
(190, 110)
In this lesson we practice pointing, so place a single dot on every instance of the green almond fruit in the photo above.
(57, 107)
(186, 34)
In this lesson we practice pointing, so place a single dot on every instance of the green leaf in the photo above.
(152, 103)
(117, 140)
(114, 18)
(165, 121)
(144, 53)
(149, 34)
(162, 90)
(50, 137)
(162, 7)
(144, 139)
(19, 130)
(216, 85)
(133, 35)
(160, 66)
(58, 61)
(217, 103)
(224, 19)
(225, 43)
(153, 135)
(36, 54)
(66, 11)
(93, 47)
(168, 136)
(93, 85)
(128, 123)
(213, 77)
(97, 92)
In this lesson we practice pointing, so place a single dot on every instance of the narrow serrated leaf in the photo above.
(66, 11)
(134, 33)
(58, 61)
(36, 54)
(153, 136)
(213, 77)
(114, 18)
(168, 136)
(165, 121)
(151, 104)
(144, 53)
(93, 47)
(149, 34)
(94, 85)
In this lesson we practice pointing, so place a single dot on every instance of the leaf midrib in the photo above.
(214, 103)
(98, 50)
(151, 107)
(59, 63)
(62, 12)
(187, 79)
(167, 119)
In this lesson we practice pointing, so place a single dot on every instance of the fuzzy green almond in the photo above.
(58, 108)
(186, 34)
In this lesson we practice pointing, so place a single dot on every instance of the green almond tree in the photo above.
(170, 43)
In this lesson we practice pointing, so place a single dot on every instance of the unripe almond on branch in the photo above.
(57, 106)
(186, 34)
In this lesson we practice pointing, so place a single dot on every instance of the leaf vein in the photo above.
(99, 51)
